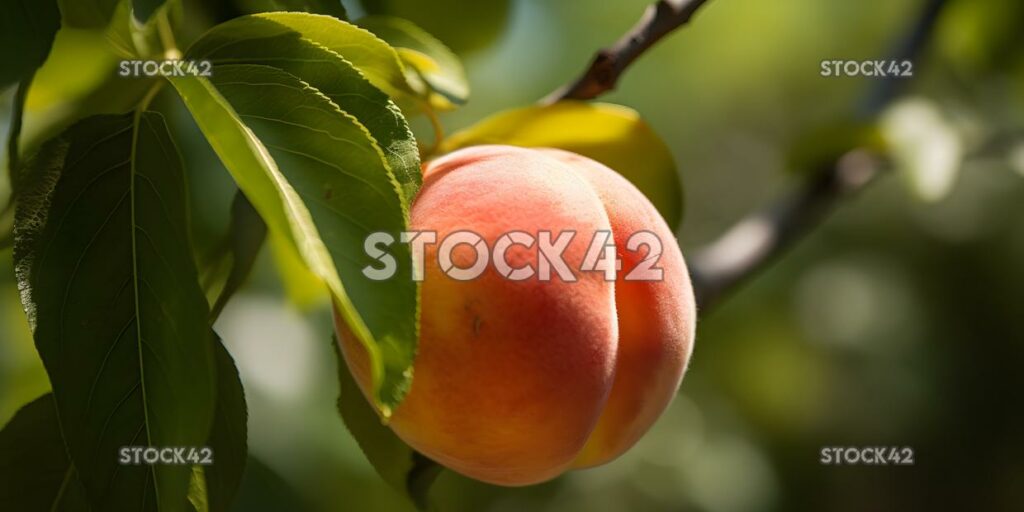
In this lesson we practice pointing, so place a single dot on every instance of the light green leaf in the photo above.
(27, 29)
(320, 181)
(197, 490)
(433, 64)
(35, 472)
(105, 267)
(256, 40)
(329, 7)
(57, 99)
(373, 57)
(136, 34)
(489, 19)
(611, 134)
(303, 288)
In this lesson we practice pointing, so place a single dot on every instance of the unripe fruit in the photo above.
(516, 381)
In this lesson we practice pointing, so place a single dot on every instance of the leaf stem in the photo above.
(148, 98)
(435, 124)
(166, 32)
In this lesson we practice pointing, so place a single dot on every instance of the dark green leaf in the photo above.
(319, 179)
(27, 29)
(241, 246)
(6, 229)
(144, 9)
(105, 268)
(87, 13)
(397, 463)
(13, 152)
(35, 472)
(228, 436)
(258, 40)
(264, 489)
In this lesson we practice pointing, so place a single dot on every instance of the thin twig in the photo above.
(660, 19)
(757, 240)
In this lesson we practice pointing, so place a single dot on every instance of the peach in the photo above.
(656, 318)
(517, 381)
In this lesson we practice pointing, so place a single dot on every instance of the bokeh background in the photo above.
(899, 322)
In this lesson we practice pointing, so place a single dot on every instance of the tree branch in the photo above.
(756, 241)
(660, 19)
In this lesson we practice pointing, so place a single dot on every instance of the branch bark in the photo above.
(760, 238)
(659, 20)
(755, 241)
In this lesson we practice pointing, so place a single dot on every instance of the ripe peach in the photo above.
(656, 318)
(516, 381)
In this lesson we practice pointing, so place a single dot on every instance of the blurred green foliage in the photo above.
(897, 323)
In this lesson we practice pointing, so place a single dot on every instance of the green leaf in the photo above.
(6, 229)
(134, 29)
(35, 472)
(489, 19)
(144, 9)
(433, 63)
(13, 152)
(303, 288)
(329, 7)
(27, 29)
(397, 463)
(87, 13)
(373, 57)
(57, 99)
(197, 490)
(105, 267)
(264, 489)
(320, 181)
(259, 40)
(228, 435)
(611, 134)
(238, 251)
